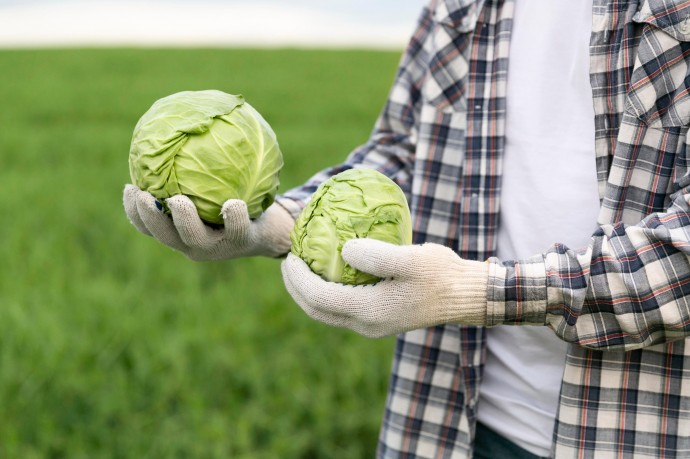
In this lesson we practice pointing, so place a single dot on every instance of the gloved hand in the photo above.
(268, 235)
(423, 286)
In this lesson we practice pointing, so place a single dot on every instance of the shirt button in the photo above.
(685, 26)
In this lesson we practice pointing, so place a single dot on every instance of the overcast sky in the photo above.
(370, 23)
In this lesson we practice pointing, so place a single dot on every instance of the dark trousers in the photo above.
(490, 445)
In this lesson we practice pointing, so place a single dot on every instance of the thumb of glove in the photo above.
(236, 218)
(378, 258)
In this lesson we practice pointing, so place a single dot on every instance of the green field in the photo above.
(112, 345)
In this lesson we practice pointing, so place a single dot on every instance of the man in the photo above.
(549, 132)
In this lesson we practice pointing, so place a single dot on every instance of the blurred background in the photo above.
(308, 23)
(113, 346)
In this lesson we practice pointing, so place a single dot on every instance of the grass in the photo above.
(113, 346)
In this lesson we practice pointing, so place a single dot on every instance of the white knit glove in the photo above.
(268, 235)
(423, 286)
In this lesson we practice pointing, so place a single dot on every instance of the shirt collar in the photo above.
(673, 17)
(461, 15)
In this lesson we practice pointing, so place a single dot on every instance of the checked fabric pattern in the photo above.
(622, 302)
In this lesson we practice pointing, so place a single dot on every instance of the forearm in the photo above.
(627, 290)
(391, 159)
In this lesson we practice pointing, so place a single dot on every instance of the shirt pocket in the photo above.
(445, 83)
(660, 82)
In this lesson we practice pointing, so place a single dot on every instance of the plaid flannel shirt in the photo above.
(622, 302)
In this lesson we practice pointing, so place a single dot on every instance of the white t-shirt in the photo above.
(549, 195)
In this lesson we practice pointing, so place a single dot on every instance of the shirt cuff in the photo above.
(517, 293)
(294, 207)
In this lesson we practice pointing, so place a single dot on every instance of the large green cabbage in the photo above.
(352, 204)
(210, 146)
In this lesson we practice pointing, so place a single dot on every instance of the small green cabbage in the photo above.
(210, 146)
(356, 203)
